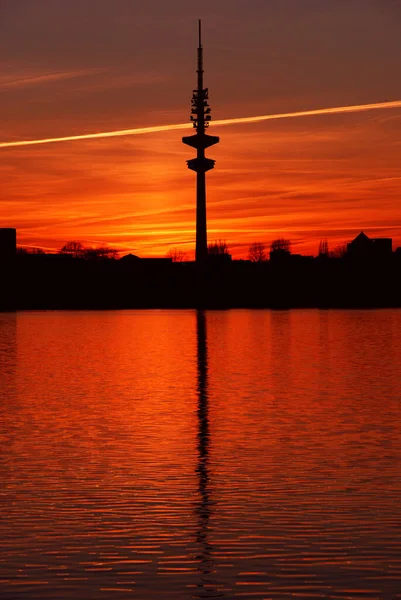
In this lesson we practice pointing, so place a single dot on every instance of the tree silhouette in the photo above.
(219, 248)
(24, 250)
(339, 251)
(75, 249)
(257, 252)
(280, 245)
(323, 248)
(100, 253)
(177, 255)
(280, 248)
(78, 250)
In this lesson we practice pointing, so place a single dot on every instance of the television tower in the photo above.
(200, 117)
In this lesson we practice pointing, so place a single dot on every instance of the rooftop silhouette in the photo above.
(364, 273)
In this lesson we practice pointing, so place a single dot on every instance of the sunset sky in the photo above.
(89, 66)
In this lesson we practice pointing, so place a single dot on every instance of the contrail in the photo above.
(161, 128)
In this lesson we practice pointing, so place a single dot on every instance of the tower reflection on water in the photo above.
(207, 586)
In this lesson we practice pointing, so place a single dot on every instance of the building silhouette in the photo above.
(200, 117)
(8, 243)
(365, 247)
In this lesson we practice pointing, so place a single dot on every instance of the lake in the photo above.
(178, 455)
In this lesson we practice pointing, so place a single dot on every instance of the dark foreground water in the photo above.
(161, 454)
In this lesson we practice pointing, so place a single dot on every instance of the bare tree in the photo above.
(78, 250)
(177, 255)
(257, 252)
(339, 251)
(27, 250)
(323, 248)
(101, 253)
(280, 247)
(219, 248)
(75, 249)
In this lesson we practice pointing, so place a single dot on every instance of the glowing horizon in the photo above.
(221, 122)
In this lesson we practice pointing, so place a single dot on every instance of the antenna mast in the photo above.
(200, 58)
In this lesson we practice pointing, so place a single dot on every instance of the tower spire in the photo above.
(200, 117)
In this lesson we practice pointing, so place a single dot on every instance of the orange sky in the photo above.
(306, 179)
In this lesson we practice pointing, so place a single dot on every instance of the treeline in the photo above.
(77, 250)
(258, 252)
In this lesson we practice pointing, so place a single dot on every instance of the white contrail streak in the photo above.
(161, 128)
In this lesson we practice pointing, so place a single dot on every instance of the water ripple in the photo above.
(175, 454)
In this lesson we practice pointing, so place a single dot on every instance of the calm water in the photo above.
(162, 454)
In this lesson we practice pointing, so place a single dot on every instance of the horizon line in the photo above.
(219, 122)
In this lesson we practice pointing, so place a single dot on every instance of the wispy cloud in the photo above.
(89, 79)
(24, 80)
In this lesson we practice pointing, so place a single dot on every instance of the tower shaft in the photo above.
(200, 117)
(201, 224)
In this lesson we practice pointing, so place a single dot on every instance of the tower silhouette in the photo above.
(200, 117)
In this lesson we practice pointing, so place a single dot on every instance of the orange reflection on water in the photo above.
(167, 451)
